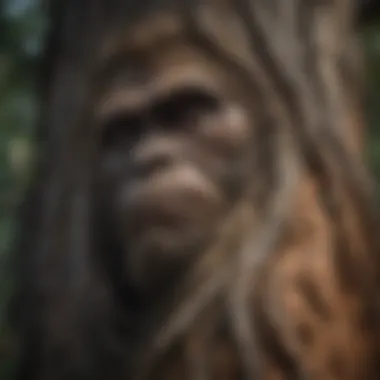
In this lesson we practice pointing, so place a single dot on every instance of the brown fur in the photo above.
(225, 242)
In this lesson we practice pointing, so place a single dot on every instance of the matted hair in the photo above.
(300, 58)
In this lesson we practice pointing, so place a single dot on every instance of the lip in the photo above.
(174, 197)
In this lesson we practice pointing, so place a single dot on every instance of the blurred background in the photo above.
(22, 24)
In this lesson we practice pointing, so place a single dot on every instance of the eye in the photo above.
(182, 107)
(120, 128)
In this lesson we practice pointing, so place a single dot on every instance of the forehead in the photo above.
(145, 34)
(127, 53)
(155, 26)
(152, 36)
(151, 58)
(134, 82)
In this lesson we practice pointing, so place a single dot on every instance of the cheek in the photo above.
(226, 141)
(228, 130)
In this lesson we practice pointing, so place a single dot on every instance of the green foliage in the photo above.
(21, 25)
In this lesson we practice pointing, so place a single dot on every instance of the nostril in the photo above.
(149, 167)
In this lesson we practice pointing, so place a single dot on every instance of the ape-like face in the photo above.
(176, 147)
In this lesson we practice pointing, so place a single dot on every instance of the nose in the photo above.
(159, 147)
(152, 165)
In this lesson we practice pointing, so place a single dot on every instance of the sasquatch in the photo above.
(200, 209)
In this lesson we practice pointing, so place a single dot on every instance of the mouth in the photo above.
(177, 201)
